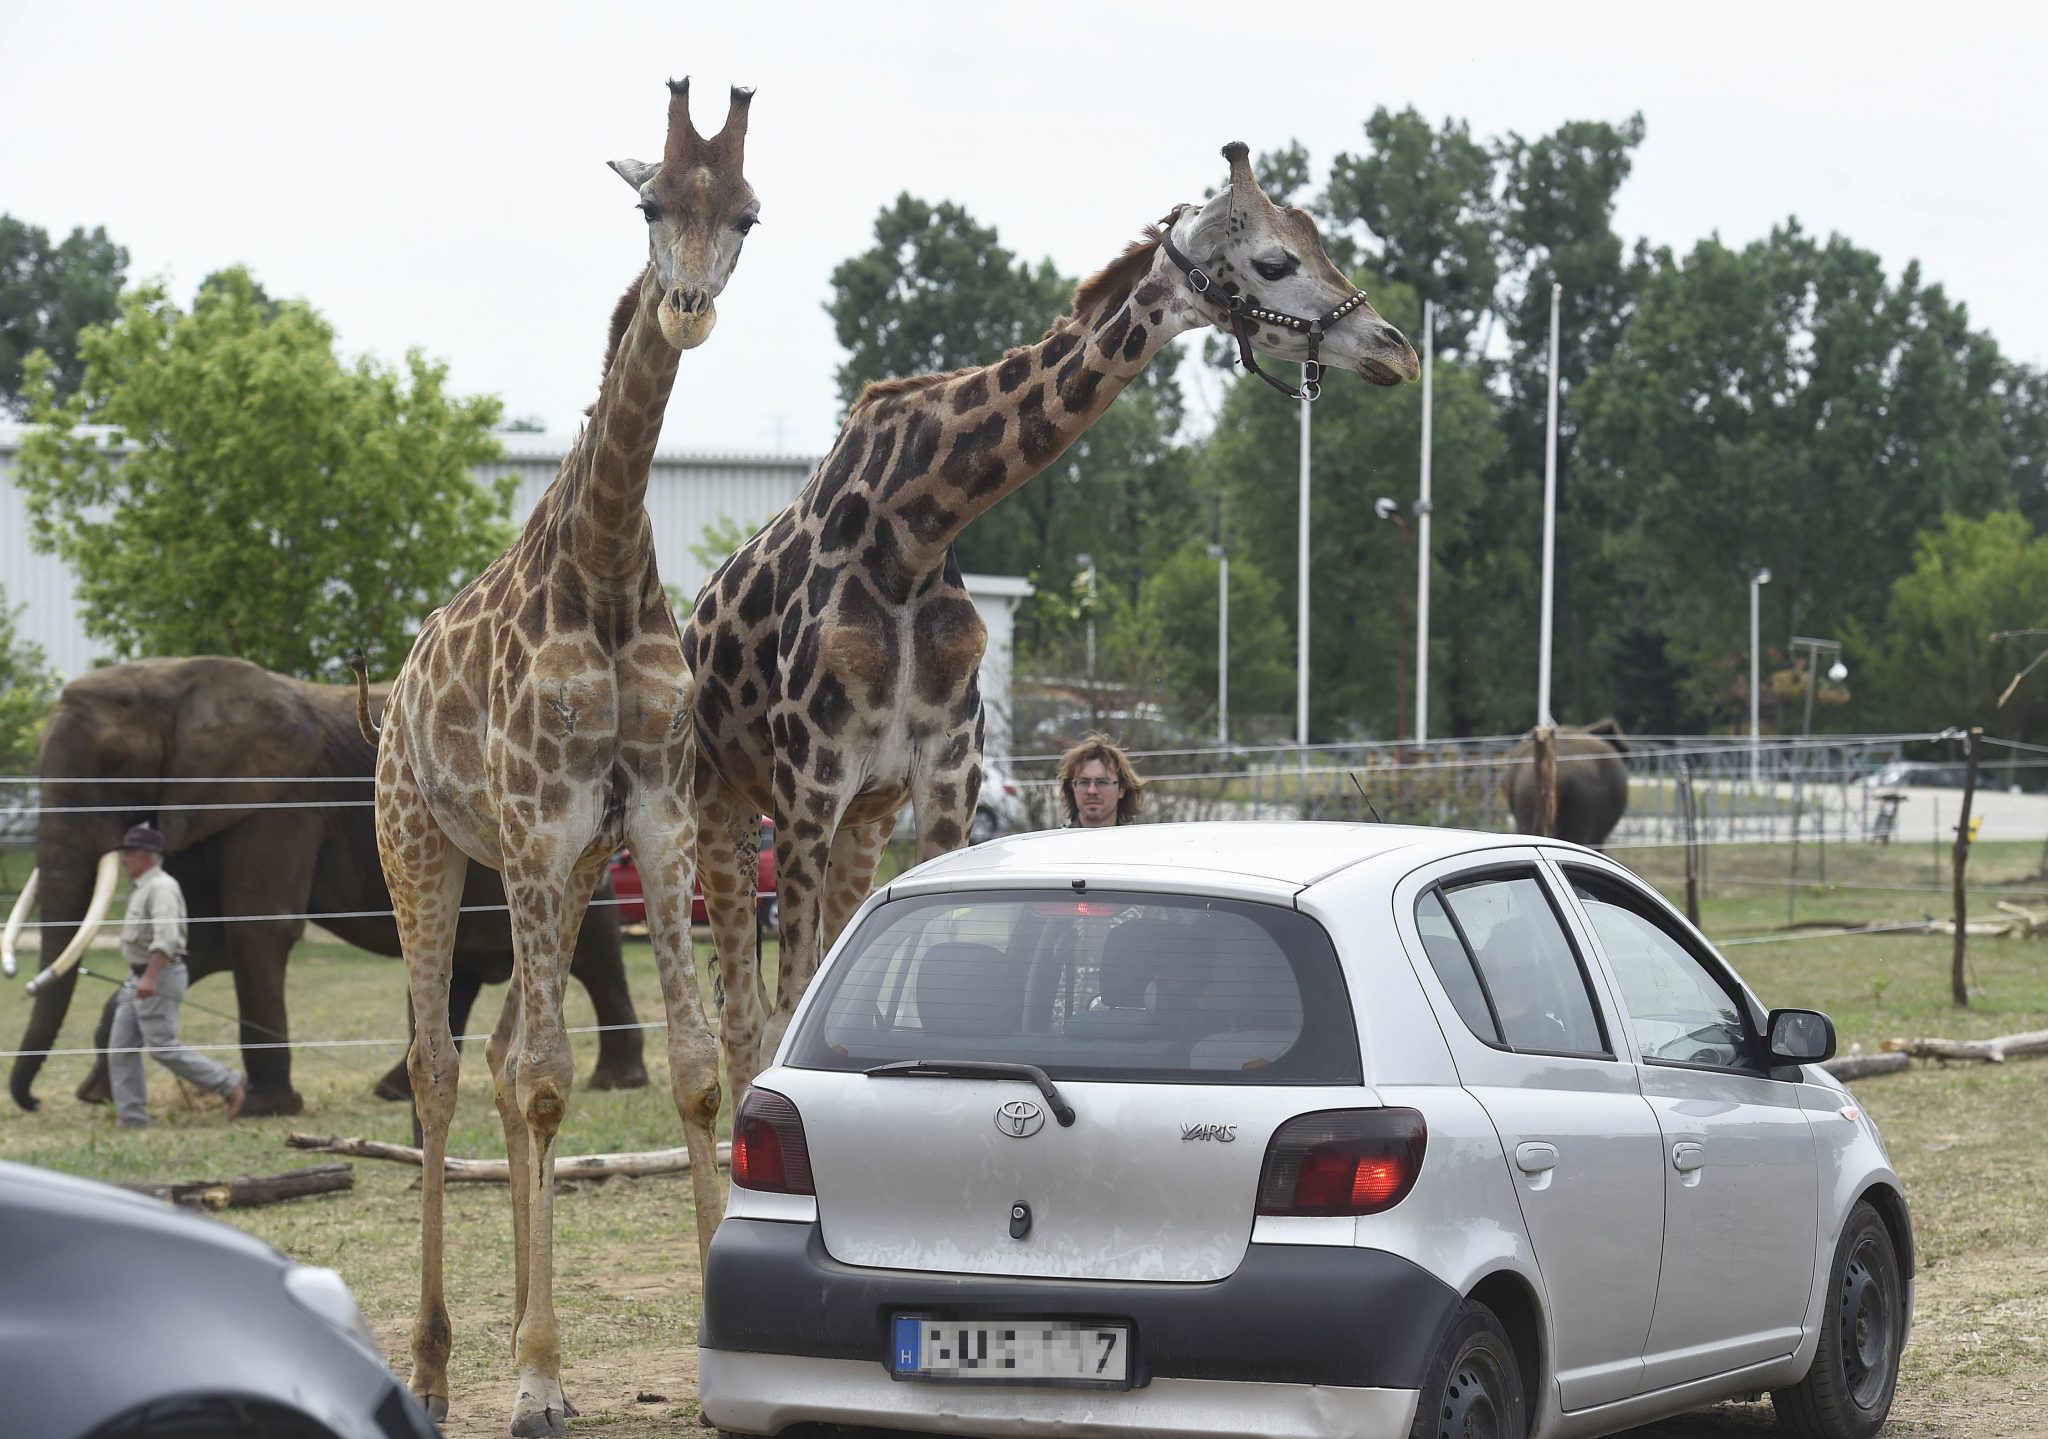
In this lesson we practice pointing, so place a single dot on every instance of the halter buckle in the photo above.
(1198, 279)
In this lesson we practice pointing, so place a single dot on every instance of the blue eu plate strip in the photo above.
(909, 1345)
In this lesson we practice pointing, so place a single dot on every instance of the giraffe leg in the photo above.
(663, 833)
(804, 832)
(943, 794)
(547, 907)
(728, 839)
(501, 1052)
(425, 873)
(850, 875)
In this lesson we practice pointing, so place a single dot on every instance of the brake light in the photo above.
(768, 1149)
(1342, 1161)
(1071, 908)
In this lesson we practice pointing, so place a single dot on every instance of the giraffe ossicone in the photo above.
(541, 720)
(836, 652)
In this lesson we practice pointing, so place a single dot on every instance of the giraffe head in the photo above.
(1274, 257)
(699, 208)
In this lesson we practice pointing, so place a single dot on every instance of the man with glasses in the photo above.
(1098, 785)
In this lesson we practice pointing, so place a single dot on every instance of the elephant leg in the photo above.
(98, 1087)
(599, 965)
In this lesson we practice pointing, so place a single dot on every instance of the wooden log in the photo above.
(498, 1171)
(1856, 1066)
(2030, 921)
(1991, 1051)
(249, 1190)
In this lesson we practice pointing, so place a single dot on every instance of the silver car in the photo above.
(1296, 1129)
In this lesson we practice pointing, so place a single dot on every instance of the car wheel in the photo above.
(1848, 1391)
(982, 828)
(1473, 1386)
(770, 916)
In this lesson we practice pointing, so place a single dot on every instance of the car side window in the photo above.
(1532, 990)
(1679, 1010)
(1454, 967)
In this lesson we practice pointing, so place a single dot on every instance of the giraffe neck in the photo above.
(962, 442)
(600, 512)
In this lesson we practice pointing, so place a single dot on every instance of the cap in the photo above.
(144, 836)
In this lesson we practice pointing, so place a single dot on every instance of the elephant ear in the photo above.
(241, 736)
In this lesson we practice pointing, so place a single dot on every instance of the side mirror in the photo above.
(1801, 1036)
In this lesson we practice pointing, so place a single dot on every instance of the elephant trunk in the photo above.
(52, 987)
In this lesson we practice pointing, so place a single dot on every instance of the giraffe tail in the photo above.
(360, 663)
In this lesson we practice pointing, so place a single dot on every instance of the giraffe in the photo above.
(836, 651)
(541, 719)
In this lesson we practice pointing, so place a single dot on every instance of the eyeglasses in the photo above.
(1095, 783)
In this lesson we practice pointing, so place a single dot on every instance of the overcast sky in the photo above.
(433, 174)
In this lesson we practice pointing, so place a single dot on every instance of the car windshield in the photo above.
(1108, 986)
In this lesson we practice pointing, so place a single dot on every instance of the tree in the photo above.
(28, 687)
(1179, 614)
(937, 291)
(1932, 663)
(276, 504)
(48, 294)
(1786, 406)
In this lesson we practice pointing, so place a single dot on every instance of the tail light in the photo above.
(1342, 1161)
(768, 1149)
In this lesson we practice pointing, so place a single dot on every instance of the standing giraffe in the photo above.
(836, 652)
(543, 718)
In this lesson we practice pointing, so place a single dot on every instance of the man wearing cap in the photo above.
(146, 1015)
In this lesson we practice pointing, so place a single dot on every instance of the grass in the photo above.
(1970, 1140)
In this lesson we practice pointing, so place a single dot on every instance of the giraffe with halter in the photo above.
(542, 719)
(836, 652)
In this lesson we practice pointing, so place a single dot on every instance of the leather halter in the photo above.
(1242, 314)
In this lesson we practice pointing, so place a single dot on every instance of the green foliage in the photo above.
(48, 293)
(1933, 663)
(1179, 614)
(28, 687)
(1786, 406)
(276, 504)
(937, 291)
(720, 538)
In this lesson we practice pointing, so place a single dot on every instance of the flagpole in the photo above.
(1549, 523)
(1422, 508)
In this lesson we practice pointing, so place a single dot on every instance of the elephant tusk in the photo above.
(89, 927)
(24, 906)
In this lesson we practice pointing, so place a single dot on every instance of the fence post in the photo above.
(1544, 741)
(1692, 843)
(1957, 987)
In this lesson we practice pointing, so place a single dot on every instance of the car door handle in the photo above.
(1687, 1156)
(1534, 1158)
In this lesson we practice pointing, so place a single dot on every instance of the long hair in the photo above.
(1096, 746)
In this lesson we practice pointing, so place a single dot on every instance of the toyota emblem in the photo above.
(1020, 1119)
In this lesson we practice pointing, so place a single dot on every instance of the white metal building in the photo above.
(687, 493)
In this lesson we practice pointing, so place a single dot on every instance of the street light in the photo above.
(1387, 509)
(1222, 557)
(1757, 580)
(1837, 671)
(1087, 564)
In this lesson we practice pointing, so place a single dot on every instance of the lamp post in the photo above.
(1087, 564)
(1837, 672)
(1757, 580)
(1222, 643)
(1387, 509)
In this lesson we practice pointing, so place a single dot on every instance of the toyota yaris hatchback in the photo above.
(1296, 1130)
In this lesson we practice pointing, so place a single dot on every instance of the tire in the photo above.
(982, 828)
(1848, 1392)
(769, 916)
(1472, 1388)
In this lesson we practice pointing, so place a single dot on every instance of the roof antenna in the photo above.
(1366, 797)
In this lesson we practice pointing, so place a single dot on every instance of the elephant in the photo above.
(246, 747)
(1592, 783)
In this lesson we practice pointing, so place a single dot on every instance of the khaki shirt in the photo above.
(156, 919)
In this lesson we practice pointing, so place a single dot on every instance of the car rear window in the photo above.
(1109, 986)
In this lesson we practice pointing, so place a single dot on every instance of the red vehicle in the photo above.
(626, 881)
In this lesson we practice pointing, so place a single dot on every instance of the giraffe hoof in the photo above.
(436, 1406)
(543, 1423)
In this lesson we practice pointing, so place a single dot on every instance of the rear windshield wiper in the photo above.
(979, 1069)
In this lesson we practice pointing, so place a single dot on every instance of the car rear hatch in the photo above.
(1170, 1036)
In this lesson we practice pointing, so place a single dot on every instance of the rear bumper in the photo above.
(764, 1394)
(1291, 1315)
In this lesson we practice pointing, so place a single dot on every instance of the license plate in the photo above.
(1012, 1351)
